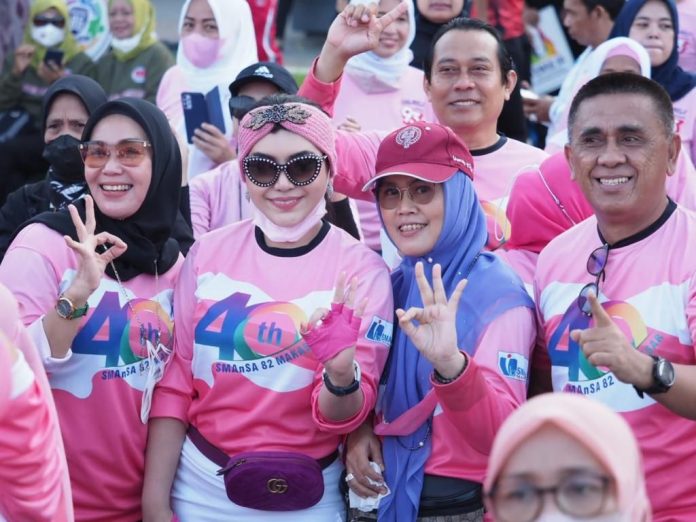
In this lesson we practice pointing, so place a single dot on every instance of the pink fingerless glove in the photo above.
(338, 330)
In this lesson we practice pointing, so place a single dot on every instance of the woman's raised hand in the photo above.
(333, 341)
(355, 30)
(435, 330)
(92, 263)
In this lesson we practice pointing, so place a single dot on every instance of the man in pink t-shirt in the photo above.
(468, 78)
(633, 352)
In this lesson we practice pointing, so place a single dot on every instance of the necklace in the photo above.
(158, 355)
(143, 331)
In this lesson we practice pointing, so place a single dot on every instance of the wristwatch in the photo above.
(663, 377)
(342, 391)
(67, 310)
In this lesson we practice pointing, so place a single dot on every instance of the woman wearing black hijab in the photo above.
(66, 106)
(95, 282)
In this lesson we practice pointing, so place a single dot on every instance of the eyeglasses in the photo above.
(595, 266)
(581, 494)
(301, 170)
(420, 192)
(40, 21)
(129, 153)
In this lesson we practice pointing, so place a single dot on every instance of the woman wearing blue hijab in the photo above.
(459, 359)
(655, 25)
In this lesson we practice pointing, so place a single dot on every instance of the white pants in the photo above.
(198, 495)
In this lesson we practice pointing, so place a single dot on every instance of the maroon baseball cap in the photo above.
(427, 151)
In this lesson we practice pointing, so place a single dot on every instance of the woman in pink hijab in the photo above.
(34, 482)
(562, 457)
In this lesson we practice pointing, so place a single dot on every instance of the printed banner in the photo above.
(90, 25)
(552, 58)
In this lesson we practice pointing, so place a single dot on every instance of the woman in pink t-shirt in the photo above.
(94, 284)
(381, 91)
(248, 418)
(578, 448)
(34, 483)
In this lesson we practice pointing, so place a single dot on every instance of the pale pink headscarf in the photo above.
(603, 432)
(13, 330)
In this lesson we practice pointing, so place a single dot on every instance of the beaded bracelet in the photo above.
(443, 380)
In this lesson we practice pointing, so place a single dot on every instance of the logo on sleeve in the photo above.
(513, 365)
(380, 331)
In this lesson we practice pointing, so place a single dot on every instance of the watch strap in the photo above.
(657, 385)
(342, 391)
(75, 312)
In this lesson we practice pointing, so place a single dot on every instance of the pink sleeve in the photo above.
(491, 387)
(168, 94)
(33, 471)
(691, 311)
(324, 94)
(370, 354)
(357, 154)
(199, 194)
(5, 380)
(30, 275)
(174, 393)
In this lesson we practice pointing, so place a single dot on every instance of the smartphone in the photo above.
(55, 56)
(202, 108)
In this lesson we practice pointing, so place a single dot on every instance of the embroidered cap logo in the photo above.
(408, 136)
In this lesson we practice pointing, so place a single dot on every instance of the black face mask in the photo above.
(64, 156)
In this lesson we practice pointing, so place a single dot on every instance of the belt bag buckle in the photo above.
(273, 480)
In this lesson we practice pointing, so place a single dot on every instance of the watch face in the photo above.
(64, 308)
(665, 372)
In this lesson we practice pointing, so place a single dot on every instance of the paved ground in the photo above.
(300, 49)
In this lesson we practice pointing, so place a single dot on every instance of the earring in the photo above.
(247, 196)
(329, 190)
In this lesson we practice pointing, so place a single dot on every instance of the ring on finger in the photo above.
(349, 477)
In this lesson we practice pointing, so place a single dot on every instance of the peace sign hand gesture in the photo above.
(605, 345)
(435, 331)
(333, 334)
(92, 263)
(356, 30)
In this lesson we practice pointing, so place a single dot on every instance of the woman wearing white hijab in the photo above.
(381, 91)
(612, 48)
(216, 42)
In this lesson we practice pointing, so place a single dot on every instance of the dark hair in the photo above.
(625, 83)
(469, 24)
(612, 7)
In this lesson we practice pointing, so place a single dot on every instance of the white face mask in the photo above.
(48, 35)
(126, 45)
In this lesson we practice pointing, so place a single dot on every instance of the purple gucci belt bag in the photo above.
(268, 480)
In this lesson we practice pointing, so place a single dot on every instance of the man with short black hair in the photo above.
(616, 294)
(468, 77)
